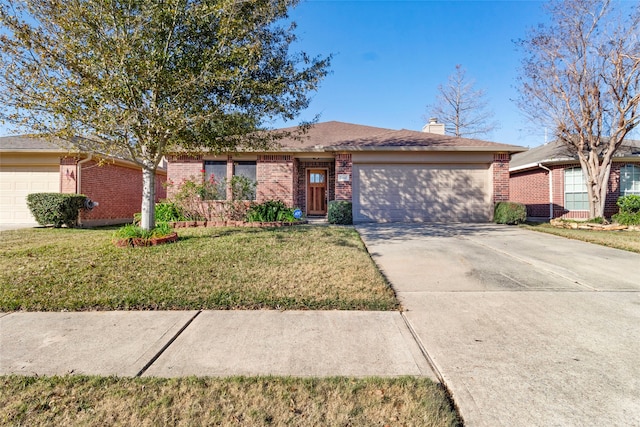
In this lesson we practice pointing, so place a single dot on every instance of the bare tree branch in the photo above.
(462, 108)
(581, 77)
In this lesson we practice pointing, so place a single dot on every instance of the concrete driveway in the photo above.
(525, 329)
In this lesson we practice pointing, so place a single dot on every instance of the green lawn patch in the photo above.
(619, 239)
(255, 401)
(301, 267)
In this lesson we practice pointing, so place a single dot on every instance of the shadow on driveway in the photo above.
(408, 231)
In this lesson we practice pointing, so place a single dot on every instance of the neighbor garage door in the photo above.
(421, 193)
(16, 182)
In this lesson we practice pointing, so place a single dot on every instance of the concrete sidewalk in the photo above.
(210, 343)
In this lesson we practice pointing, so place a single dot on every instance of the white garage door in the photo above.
(421, 193)
(16, 183)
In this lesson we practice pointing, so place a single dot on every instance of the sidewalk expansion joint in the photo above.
(423, 350)
(167, 345)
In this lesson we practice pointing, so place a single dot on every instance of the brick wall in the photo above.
(297, 190)
(500, 168)
(531, 188)
(181, 168)
(344, 165)
(276, 178)
(68, 174)
(117, 189)
(301, 200)
(613, 190)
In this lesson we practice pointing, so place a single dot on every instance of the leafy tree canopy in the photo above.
(136, 78)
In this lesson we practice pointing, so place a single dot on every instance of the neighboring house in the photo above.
(389, 175)
(549, 181)
(35, 165)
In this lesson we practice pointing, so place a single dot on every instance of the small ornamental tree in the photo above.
(138, 78)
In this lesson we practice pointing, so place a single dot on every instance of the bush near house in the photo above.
(206, 200)
(340, 212)
(168, 212)
(629, 210)
(56, 208)
(270, 211)
(509, 213)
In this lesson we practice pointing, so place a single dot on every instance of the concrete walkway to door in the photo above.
(525, 329)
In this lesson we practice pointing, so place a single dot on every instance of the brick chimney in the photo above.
(434, 127)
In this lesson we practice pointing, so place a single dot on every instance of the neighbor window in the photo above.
(629, 180)
(575, 190)
(244, 189)
(215, 174)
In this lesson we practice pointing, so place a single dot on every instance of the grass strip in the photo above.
(251, 401)
(302, 267)
(619, 239)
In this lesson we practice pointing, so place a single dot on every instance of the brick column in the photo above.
(68, 175)
(500, 168)
(344, 177)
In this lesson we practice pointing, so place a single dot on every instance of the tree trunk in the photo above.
(148, 197)
(596, 177)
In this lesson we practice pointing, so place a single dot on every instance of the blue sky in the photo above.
(390, 57)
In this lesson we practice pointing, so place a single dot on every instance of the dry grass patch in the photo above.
(301, 267)
(619, 239)
(260, 401)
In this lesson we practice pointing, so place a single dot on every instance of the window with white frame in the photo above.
(575, 190)
(629, 180)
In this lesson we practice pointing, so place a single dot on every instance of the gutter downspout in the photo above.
(541, 166)
(79, 178)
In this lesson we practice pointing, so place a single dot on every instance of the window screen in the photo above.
(216, 175)
(629, 180)
(247, 170)
(575, 190)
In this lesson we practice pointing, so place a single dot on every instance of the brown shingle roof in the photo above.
(556, 151)
(28, 143)
(339, 136)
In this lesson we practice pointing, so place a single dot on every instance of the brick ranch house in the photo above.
(548, 179)
(35, 165)
(389, 175)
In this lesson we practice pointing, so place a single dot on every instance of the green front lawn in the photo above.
(301, 267)
(620, 239)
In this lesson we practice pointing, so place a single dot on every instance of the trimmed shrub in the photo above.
(629, 210)
(509, 213)
(55, 208)
(340, 212)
